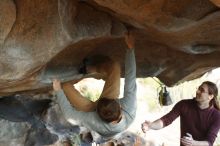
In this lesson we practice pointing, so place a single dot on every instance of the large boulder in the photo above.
(175, 40)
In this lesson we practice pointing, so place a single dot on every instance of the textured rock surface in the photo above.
(176, 40)
(18, 132)
(12, 133)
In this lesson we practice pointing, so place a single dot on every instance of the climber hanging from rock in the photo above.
(109, 115)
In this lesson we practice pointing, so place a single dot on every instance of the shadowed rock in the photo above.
(14, 110)
(41, 136)
(57, 124)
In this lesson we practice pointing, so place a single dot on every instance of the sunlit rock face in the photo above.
(175, 40)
